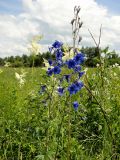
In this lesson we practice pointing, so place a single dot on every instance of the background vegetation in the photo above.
(90, 53)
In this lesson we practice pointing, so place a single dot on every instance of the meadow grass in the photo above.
(33, 126)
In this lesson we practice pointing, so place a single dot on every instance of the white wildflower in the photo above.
(46, 64)
(97, 65)
(34, 47)
(68, 55)
(116, 64)
(20, 78)
(86, 69)
(7, 64)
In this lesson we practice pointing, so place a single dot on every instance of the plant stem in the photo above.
(103, 112)
(69, 131)
(49, 116)
(60, 126)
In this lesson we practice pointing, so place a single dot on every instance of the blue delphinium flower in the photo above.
(60, 63)
(72, 89)
(57, 44)
(67, 77)
(43, 88)
(75, 105)
(77, 68)
(59, 55)
(56, 70)
(79, 58)
(50, 49)
(50, 72)
(60, 91)
(71, 63)
(79, 85)
(81, 74)
(50, 62)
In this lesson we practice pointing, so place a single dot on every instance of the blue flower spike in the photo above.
(74, 66)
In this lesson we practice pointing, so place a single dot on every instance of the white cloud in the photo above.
(52, 19)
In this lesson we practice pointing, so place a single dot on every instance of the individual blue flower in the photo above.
(71, 63)
(60, 91)
(59, 55)
(56, 70)
(77, 68)
(67, 77)
(42, 89)
(50, 49)
(79, 85)
(81, 74)
(50, 72)
(79, 58)
(57, 44)
(72, 89)
(50, 62)
(59, 63)
(75, 105)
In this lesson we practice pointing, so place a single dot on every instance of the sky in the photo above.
(21, 20)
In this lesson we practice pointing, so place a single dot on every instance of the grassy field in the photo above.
(34, 126)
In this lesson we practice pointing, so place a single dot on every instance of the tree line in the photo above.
(91, 60)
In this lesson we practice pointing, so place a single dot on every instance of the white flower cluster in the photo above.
(20, 77)
(115, 65)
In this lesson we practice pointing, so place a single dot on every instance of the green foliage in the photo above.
(28, 130)
(92, 56)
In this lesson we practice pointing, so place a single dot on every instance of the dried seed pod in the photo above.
(79, 40)
(80, 24)
(78, 9)
(75, 8)
(78, 18)
(72, 21)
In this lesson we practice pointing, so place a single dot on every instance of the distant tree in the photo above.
(2, 62)
(91, 54)
(25, 60)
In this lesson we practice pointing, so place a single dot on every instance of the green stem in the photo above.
(60, 126)
(69, 131)
(49, 117)
(59, 129)
(103, 112)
